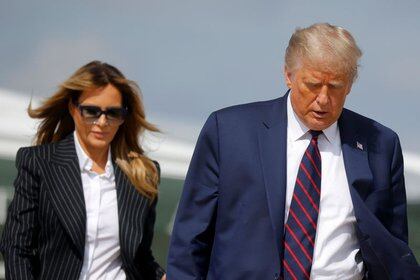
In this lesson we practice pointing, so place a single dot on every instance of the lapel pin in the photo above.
(359, 146)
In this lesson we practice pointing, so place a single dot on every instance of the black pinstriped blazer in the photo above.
(44, 235)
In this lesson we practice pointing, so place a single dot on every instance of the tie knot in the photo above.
(315, 133)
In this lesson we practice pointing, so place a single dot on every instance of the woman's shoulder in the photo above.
(39, 151)
(156, 163)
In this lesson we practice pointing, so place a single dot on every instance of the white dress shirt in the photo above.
(336, 244)
(102, 255)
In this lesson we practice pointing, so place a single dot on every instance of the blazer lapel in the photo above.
(273, 152)
(66, 191)
(132, 206)
(355, 154)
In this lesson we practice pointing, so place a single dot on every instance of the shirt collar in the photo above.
(85, 163)
(297, 129)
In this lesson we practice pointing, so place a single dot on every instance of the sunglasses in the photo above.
(113, 115)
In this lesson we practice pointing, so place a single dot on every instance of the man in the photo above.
(296, 187)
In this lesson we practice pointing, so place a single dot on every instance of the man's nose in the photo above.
(322, 98)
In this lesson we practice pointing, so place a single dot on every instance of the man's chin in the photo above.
(319, 125)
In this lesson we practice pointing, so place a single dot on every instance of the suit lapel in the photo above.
(66, 191)
(355, 153)
(359, 175)
(132, 206)
(273, 152)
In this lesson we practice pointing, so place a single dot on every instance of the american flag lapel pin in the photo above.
(359, 145)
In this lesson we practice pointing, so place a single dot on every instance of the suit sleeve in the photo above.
(399, 227)
(152, 269)
(193, 233)
(18, 243)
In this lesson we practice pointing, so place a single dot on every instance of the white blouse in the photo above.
(102, 255)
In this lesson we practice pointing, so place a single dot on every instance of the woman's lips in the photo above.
(99, 135)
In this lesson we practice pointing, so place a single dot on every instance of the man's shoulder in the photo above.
(248, 111)
(367, 126)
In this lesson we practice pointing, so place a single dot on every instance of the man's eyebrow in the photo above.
(311, 80)
(336, 83)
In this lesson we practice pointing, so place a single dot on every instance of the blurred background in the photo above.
(193, 57)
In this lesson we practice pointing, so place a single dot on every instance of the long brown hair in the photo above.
(126, 150)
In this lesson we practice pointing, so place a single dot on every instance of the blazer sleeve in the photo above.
(193, 232)
(151, 269)
(18, 243)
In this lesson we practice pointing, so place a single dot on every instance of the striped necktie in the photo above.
(300, 228)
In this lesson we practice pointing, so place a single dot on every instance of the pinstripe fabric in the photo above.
(44, 234)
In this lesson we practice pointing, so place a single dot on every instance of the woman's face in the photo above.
(97, 133)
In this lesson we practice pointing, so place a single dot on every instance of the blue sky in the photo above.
(193, 57)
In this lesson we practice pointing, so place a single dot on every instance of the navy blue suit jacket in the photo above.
(230, 220)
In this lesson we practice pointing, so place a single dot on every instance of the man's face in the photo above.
(317, 97)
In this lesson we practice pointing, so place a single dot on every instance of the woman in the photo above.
(85, 196)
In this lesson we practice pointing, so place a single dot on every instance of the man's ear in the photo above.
(349, 88)
(287, 77)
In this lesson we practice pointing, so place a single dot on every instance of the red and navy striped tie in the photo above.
(300, 228)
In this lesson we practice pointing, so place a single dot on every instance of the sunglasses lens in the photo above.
(90, 111)
(115, 114)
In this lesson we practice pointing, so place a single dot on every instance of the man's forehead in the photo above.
(311, 73)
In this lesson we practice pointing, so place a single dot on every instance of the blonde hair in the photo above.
(323, 46)
(128, 154)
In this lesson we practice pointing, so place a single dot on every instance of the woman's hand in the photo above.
(163, 277)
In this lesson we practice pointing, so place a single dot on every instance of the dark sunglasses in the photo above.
(91, 114)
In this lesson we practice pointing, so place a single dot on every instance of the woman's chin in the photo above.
(96, 143)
